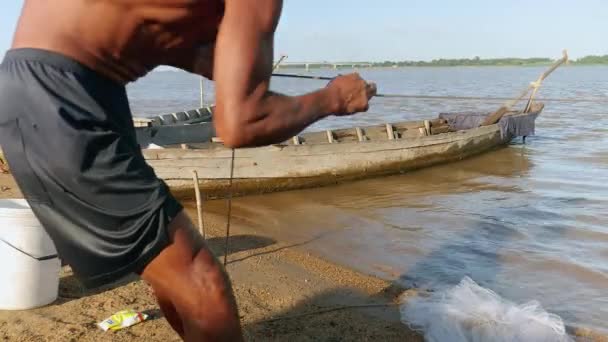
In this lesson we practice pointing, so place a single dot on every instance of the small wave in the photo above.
(469, 312)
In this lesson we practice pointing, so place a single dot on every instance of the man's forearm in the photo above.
(247, 113)
(278, 117)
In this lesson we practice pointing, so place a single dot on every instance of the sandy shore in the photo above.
(281, 293)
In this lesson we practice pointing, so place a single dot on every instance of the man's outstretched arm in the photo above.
(247, 113)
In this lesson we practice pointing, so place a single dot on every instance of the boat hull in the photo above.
(288, 167)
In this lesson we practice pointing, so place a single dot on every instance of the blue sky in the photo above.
(340, 30)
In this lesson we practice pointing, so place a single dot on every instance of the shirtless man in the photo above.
(66, 130)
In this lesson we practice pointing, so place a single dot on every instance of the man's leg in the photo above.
(192, 288)
(171, 315)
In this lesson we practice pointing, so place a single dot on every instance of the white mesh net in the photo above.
(468, 312)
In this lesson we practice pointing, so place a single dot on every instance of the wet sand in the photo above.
(281, 293)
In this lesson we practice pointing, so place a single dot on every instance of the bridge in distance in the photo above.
(324, 64)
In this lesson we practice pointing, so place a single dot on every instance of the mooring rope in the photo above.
(229, 208)
(229, 214)
(327, 310)
(448, 97)
(492, 99)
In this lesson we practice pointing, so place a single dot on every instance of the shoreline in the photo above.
(282, 294)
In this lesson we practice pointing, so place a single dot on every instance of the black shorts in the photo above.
(68, 136)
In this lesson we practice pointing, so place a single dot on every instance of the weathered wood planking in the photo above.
(276, 168)
(320, 158)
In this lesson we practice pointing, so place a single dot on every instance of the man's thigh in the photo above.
(187, 269)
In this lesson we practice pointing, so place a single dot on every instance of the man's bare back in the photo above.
(67, 131)
(123, 39)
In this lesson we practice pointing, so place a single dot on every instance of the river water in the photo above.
(528, 221)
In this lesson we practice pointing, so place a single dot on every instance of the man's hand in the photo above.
(351, 93)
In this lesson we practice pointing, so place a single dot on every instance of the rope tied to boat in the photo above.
(535, 85)
(229, 214)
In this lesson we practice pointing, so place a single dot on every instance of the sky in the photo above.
(357, 30)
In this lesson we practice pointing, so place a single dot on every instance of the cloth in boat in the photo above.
(68, 136)
(510, 126)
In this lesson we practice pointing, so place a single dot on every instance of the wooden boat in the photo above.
(175, 128)
(322, 158)
(192, 116)
(330, 157)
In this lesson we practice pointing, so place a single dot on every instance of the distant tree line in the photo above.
(593, 60)
(477, 61)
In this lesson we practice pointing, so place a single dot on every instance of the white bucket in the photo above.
(29, 276)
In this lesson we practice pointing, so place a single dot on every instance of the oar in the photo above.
(497, 115)
(542, 77)
(276, 65)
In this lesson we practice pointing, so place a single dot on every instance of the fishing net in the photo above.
(468, 312)
(510, 126)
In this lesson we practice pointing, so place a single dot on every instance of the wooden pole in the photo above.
(497, 115)
(359, 134)
(199, 203)
(276, 65)
(202, 86)
(389, 132)
(427, 127)
(542, 77)
(330, 136)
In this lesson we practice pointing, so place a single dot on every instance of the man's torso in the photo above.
(122, 39)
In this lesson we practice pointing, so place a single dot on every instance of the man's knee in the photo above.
(209, 304)
(210, 286)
